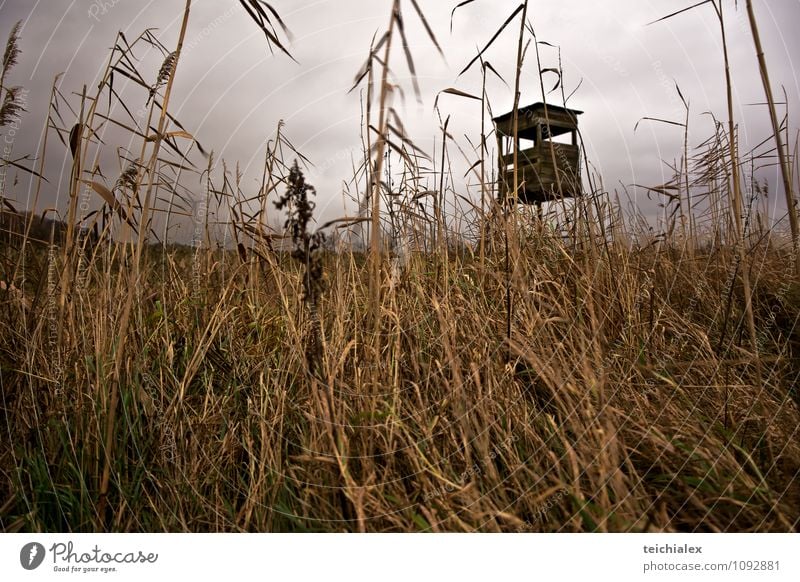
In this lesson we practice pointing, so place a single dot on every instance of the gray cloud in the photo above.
(231, 91)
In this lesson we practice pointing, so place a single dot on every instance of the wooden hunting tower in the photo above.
(541, 167)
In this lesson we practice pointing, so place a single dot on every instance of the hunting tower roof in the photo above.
(559, 116)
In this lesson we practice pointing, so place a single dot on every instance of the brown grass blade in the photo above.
(494, 38)
(692, 7)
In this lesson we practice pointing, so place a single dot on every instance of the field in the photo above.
(568, 373)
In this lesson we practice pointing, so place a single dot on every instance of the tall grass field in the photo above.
(436, 361)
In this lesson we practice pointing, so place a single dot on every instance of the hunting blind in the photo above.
(553, 158)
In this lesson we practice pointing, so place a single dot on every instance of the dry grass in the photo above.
(598, 379)
(617, 415)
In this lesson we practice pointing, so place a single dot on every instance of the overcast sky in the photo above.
(231, 91)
